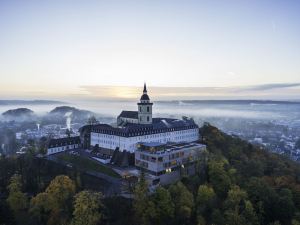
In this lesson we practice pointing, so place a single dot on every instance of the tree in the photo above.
(217, 217)
(264, 198)
(286, 207)
(239, 210)
(163, 205)
(42, 145)
(205, 200)
(60, 190)
(39, 208)
(87, 207)
(183, 201)
(250, 214)
(141, 201)
(16, 200)
(6, 214)
(92, 120)
(219, 178)
(55, 203)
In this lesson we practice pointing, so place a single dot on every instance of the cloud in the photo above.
(266, 87)
(265, 91)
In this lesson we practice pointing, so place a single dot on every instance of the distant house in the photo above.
(63, 144)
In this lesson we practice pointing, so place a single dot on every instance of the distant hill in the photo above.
(67, 109)
(29, 102)
(60, 113)
(19, 114)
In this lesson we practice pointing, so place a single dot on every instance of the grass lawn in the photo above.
(86, 164)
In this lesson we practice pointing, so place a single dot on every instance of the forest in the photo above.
(236, 183)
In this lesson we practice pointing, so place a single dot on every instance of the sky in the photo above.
(183, 49)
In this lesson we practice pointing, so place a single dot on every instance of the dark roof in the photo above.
(64, 141)
(159, 125)
(129, 114)
(145, 97)
(167, 147)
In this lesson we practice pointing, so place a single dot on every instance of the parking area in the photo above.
(91, 154)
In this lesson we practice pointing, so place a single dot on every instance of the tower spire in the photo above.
(145, 88)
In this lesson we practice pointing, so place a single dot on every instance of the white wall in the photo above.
(129, 120)
(129, 143)
(51, 151)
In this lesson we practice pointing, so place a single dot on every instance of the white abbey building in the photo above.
(139, 126)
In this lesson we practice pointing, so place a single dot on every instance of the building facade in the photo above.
(139, 126)
(63, 144)
(159, 159)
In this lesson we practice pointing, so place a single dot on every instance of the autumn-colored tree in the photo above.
(60, 190)
(39, 208)
(87, 208)
(56, 201)
(16, 200)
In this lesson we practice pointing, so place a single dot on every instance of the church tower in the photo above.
(145, 108)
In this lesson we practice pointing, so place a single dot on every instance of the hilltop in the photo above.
(19, 114)
(61, 112)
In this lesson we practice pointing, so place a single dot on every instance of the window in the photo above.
(148, 118)
(148, 109)
(140, 109)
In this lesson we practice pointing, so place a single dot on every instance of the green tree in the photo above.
(141, 203)
(219, 178)
(163, 205)
(183, 201)
(205, 199)
(87, 207)
(217, 217)
(286, 207)
(239, 210)
(264, 198)
(250, 214)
